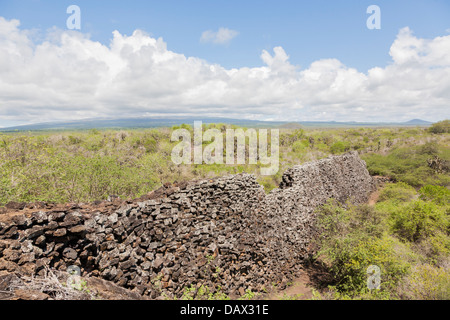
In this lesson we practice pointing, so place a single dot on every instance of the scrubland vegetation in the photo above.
(406, 233)
(84, 166)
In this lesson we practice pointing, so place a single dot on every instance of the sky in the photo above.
(267, 60)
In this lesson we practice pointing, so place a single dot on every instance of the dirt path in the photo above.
(299, 289)
(373, 199)
(311, 277)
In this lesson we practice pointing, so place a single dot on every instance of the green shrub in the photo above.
(407, 165)
(300, 146)
(351, 256)
(288, 139)
(429, 148)
(397, 192)
(435, 249)
(440, 127)
(353, 239)
(437, 194)
(269, 183)
(426, 283)
(418, 220)
(74, 140)
(322, 147)
(339, 147)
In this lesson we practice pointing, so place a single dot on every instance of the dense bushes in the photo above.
(81, 167)
(418, 220)
(406, 234)
(89, 165)
(339, 147)
(437, 194)
(397, 192)
(424, 222)
(440, 127)
(426, 282)
(413, 219)
(353, 239)
(409, 165)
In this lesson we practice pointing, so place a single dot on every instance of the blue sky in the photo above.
(307, 30)
(317, 58)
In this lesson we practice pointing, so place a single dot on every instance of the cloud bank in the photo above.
(68, 76)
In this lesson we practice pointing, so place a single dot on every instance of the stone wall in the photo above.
(223, 232)
(289, 210)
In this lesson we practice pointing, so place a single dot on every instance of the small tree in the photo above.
(440, 127)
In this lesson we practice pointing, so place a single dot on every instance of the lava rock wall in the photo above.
(224, 232)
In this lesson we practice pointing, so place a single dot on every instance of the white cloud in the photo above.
(222, 36)
(70, 76)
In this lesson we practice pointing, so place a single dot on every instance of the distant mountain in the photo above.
(137, 123)
(418, 122)
(291, 125)
(134, 123)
